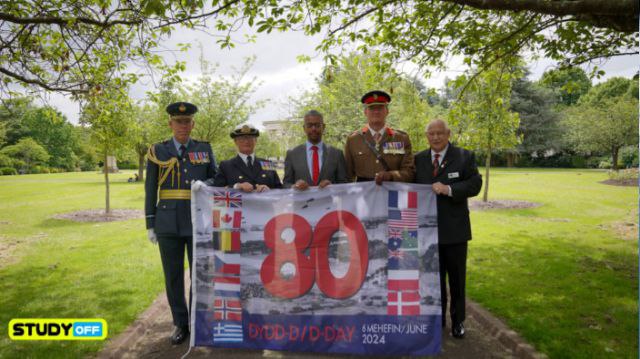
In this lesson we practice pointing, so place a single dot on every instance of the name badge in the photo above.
(453, 174)
(267, 166)
(197, 158)
(394, 148)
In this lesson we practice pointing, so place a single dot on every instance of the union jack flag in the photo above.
(227, 199)
(396, 254)
(395, 233)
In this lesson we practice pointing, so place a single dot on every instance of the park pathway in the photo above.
(148, 337)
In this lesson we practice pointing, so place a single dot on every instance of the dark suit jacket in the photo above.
(235, 171)
(332, 168)
(458, 170)
(173, 216)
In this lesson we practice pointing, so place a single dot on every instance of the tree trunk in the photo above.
(141, 167)
(510, 159)
(487, 165)
(614, 158)
(106, 182)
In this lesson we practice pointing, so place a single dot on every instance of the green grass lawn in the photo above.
(63, 269)
(559, 274)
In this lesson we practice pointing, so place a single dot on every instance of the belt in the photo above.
(175, 194)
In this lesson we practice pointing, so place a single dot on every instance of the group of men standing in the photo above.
(376, 152)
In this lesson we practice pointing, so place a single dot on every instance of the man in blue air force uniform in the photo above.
(172, 165)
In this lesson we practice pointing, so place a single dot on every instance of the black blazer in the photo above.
(235, 171)
(458, 170)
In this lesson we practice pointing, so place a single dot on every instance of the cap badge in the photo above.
(182, 108)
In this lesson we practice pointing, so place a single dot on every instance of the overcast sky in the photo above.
(279, 73)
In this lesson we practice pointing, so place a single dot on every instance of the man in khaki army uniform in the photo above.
(377, 152)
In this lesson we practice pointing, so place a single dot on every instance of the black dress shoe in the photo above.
(458, 330)
(179, 335)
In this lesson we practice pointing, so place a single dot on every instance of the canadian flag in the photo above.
(227, 218)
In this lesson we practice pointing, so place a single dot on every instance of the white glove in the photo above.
(197, 185)
(151, 234)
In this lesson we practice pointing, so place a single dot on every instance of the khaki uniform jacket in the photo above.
(395, 148)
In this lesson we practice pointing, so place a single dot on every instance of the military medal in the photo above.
(267, 166)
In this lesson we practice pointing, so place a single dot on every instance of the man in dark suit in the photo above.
(172, 165)
(314, 163)
(245, 171)
(454, 177)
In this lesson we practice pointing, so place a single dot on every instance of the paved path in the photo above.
(148, 337)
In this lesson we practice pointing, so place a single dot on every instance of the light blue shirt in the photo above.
(178, 144)
(310, 157)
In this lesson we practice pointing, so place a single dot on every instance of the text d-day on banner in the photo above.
(350, 269)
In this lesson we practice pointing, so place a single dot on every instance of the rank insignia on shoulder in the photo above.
(267, 166)
(394, 148)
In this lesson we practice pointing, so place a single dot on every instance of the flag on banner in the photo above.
(220, 266)
(226, 218)
(403, 303)
(227, 332)
(403, 200)
(406, 279)
(228, 309)
(403, 218)
(226, 241)
(410, 240)
(400, 259)
(227, 199)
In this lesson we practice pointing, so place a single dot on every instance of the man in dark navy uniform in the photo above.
(171, 167)
(245, 171)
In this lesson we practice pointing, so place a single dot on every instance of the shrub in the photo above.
(8, 171)
(628, 174)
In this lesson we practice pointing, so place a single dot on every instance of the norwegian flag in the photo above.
(227, 309)
(227, 199)
(403, 303)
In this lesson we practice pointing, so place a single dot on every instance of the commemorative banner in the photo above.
(350, 269)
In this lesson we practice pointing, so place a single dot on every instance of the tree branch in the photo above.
(39, 83)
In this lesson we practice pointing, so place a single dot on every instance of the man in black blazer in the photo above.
(246, 172)
(454, 177)
(314, 163)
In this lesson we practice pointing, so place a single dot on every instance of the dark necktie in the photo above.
(315, 168)
(436, 164)
(249, 162)
(183, 151)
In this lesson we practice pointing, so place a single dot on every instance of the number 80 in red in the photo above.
(315, 266)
